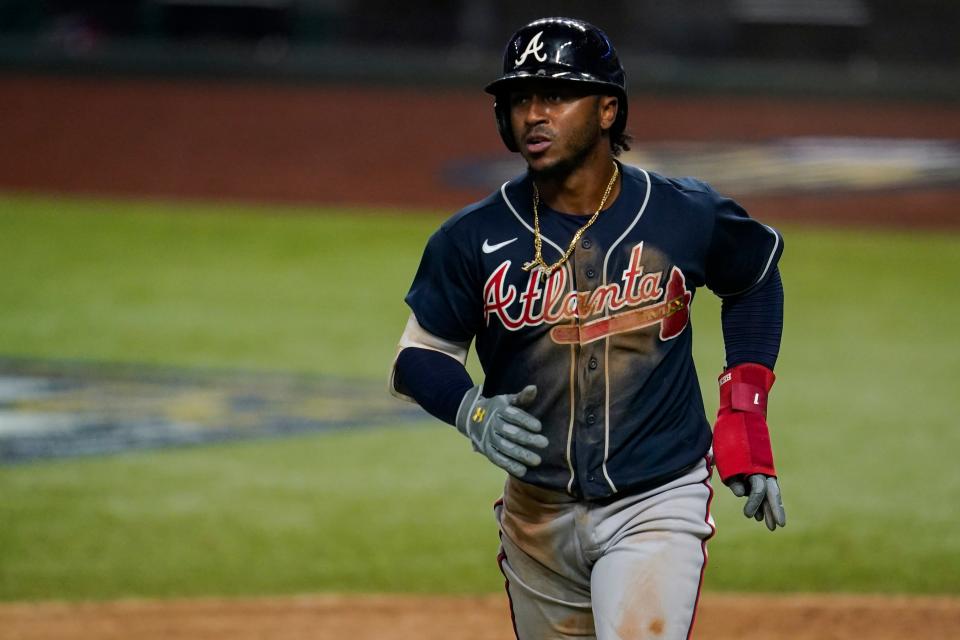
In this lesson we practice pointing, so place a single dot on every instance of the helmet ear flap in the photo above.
(501, 111)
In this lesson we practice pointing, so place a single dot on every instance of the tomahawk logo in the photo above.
(533, 48)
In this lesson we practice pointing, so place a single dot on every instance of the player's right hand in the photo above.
(501, 430)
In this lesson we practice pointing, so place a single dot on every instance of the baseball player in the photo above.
(574, 282)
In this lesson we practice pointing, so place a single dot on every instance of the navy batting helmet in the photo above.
(561, 50)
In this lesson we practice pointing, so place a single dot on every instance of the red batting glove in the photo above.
(741, 440)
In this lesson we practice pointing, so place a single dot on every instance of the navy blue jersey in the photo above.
(607, 337)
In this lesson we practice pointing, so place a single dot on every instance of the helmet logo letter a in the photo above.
(533, 47)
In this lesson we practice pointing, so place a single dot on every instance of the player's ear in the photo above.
(608, 105)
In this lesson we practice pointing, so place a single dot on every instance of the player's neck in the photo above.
(579, 191)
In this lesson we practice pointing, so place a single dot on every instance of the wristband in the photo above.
(741, 439)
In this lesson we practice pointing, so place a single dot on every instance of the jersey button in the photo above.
(587, 243)
(591, 273)
(591, 419)
(593, 363)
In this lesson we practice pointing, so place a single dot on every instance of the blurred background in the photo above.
(293, 99)
(869, 44)
(210, 211)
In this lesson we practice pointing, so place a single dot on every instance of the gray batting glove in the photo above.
(501, 430)
(764, 502)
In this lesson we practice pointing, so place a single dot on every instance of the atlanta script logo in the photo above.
(639, 297)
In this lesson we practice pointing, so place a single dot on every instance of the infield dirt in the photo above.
(329, 617)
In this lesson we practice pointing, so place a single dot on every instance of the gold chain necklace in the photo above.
(547, 269)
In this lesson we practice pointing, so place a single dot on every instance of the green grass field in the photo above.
(863, 414)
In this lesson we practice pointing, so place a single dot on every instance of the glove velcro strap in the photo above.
(465, 412)
(747, 397)
(741, 445)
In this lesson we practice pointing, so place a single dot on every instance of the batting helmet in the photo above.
(560, 50)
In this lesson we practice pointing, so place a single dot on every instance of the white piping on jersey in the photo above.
(636, 219)
(606, 412)
(573, 413)
(566, 267)
(766, 267)
(773, 252)
(503, 192)
(606, 353)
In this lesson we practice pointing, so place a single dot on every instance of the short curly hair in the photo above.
(620, 143)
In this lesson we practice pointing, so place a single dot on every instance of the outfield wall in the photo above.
(412, 147)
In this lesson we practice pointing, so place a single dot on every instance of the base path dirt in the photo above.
(334, 617)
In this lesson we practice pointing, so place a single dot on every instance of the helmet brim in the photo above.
(514, 79)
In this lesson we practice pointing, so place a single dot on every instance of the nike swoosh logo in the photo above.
(490, 248)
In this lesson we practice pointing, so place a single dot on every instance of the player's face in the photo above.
(557, 126)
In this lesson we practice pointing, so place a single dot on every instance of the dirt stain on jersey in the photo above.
(641, 608)
(656, 626)
(637, 622)
(536, 521)
(576, 625)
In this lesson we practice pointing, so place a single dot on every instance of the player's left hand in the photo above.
(764, 501)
